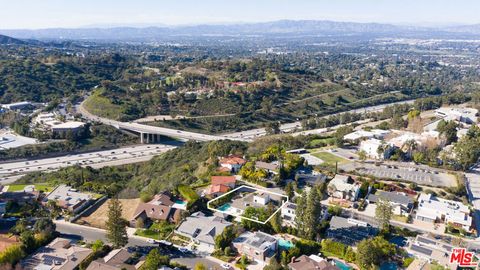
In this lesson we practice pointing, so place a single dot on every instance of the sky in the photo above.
(35, 14)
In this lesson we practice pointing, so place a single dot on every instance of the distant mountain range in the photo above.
(5, 40)
(284, 27)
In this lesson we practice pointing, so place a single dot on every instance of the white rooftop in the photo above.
(434, 207)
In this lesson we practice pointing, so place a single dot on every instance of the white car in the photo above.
(184, 250)
(226, 266)
(151, 241)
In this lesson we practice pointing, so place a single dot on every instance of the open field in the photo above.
(329, 158)
(39, 187)
(99, 217)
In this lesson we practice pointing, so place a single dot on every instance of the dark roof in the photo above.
(390, 196)
(422, 250)
(310, 179)
(306, 263)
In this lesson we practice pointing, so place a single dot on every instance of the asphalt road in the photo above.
(132, 154)
(90, 234)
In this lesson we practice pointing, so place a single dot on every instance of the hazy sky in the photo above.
(79, 13)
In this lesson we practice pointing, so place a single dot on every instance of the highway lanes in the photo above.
(119, 156)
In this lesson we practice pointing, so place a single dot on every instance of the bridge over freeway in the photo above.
(151, 134)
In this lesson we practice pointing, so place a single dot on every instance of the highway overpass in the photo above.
(151, 134)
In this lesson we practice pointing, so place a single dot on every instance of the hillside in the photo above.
(6, 40)
(291, 27)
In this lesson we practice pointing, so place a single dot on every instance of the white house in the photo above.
(433, 209)
(288, 214)
(261, 198)
(342, 187)
(463, 115)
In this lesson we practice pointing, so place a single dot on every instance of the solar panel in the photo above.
(422, 250)
(426, 240)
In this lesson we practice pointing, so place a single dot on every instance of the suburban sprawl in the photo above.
(282, 150)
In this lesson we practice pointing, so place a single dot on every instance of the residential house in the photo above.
(256, 199)
(271, 168)
(160, 208)
(343, 187)
(60, 254)
(117, 259)
(434, 209)
(288, 214)
(305, 179)
(203, 229)
(220, 185)
(233, 162)
(401, 203)
(350, 231)
(69, 198)
(257, 246)
(312, 262)
(430, 249)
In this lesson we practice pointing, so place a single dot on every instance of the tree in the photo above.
(97, 245)
(362, 155)
(383, 213)
(272, 128)
(154, 260)
(200, 266)
(27, 238)
(116, 225)
(372, 251)
(45, 226)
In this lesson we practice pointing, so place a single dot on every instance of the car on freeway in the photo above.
(226, 266)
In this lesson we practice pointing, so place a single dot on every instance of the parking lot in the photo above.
(409, 174)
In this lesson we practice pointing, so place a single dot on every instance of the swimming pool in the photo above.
(180, 202)
(342, 265)
(225, 207)
(285, 244)
(388, 266)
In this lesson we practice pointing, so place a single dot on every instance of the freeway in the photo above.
(294, 126)
(147, 129)
(119, 156)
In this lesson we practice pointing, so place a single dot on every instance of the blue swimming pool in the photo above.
(342, 265)
(285, 244)
(180, 202)
(225, 207)
(388, 266)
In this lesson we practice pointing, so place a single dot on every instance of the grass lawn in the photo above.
(39, 187)
(329, 158)
(403, 219)
(158, 230)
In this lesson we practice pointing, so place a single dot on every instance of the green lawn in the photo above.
(40, 187)
(329, 158)
(158, 230)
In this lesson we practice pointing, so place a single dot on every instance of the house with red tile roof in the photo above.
(232, 162)
(220, 185)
